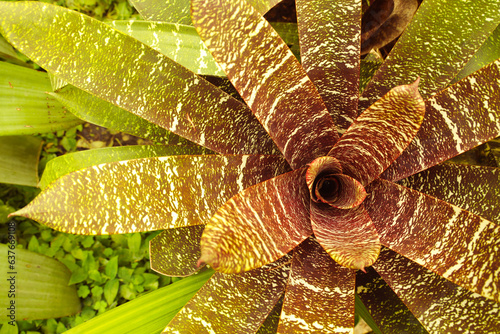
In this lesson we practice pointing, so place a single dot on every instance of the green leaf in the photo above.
(77, 276)
(365, 315)
(96, 59)
(329, 42)
(438, 304)
(25, 107)
(111, 290)
(291, 108)
(259, 225)
(19, 160)
(112, 267)
(453, 243)
(233, 303)
(167, 192)
(134, 242)
(147, 314)
(437, 44)
(175, 252)
(31, 282)
(71, 162)
(319, 295)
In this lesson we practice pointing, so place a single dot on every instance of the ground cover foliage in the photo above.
(322, 170)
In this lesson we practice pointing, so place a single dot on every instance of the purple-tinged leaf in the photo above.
(384, 306)
(327, 184)
(119, 69)
(384, 21)
(259, 225)
(349, 236)
(233, 303)
(379, 135)
(268, 77)
(472, 188)
(319, 295)
(439, 41)
(167, 192)
(175, 252)
(441, 306)
(453, 243)
(457, 119)
(329, 44)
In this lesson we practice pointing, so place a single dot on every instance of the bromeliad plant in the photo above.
(287, 233)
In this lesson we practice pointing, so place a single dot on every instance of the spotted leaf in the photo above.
(268, 77)
(168, 192)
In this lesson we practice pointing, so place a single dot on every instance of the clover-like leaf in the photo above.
(169, 192)
(424, 229)
(319, 296)
(269, 79)
(259, 225)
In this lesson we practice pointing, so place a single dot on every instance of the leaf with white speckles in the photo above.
(175, 252)
(121, 70)
(319, 296)
(258, 225)
(348, 235)
(386, 309)
(147, 194)
(379, 135)
(472, 188)
(441, 306)
(437, 44)
(233, 303)
(454, 243)
(71, 162)
(457, 119)
(329, 41)
(268, 77)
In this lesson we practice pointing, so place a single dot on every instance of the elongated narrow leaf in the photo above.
(456, 244)
(329, 41)
(259, 225)
(459, 118)
(387, 310)
(179, 42)
(19, 160)
(472, 188)
(487, 53)
(233, 303)
(147, 194)
(320, 293)
(348, 235)
(268, 77)
(380, 134)
(25, 107)
(34, 286)
(71, 162)
(175, 252)
(441, 306)
(456, 29)
(119, 69)
(97, 111)
(149, 313)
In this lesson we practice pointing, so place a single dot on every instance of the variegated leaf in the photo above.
(387, 310)
(268, 77)
(456, 29)
(348, 235)
(259, 225)
(175, 252)
(329, 41)
(457, 119)
(319, 295)
(453, 243)
(119, 69)
(233, 303)
(472, 188)
(167, 192)
(441, 306)
(379, 135)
